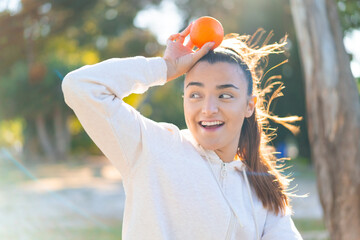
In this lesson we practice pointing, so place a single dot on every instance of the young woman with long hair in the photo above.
(218, 179)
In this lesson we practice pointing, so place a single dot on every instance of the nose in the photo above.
(210, 106)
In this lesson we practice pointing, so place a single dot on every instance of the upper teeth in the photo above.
(211, 123)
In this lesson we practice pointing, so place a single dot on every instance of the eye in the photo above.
(226, 96)
(194, 95)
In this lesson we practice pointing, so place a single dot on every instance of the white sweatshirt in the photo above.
(175, 190)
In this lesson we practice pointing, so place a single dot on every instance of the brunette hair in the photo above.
(254, 149)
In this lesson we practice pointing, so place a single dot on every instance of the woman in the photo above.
(212, 181)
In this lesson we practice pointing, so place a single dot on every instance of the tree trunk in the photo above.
(44, 138)
(30, 151)
(333, 112)
(62, 134)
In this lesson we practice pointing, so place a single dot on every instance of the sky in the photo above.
(352, 45)
(12, 5)
(153, 17)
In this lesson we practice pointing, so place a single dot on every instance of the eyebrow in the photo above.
(226, 86)
(199, 84)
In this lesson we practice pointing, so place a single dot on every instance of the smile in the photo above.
(211, 124)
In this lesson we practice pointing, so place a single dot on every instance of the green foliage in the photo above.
(46, 40)
(132, 42)
(34, 91)
(349, 14)
(11, 133)
(164, 104)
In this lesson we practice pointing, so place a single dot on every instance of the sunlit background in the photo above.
(153, 15)
(54, 182)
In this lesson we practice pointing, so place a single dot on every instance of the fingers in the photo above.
(186, 31)
(176, 38)
(180, 36)
(190, 45)
(173, 36)
(203, 50)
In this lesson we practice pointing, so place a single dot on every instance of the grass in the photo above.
(312, 229)
(309, 225)
(95, 233)
(111, 233)
(81, 233)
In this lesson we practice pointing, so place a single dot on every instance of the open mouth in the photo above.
(211, 124)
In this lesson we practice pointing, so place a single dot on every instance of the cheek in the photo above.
(192, 113)
(188, 112)
(190, 107)
(236, 114)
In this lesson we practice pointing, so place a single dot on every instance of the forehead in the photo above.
(211, 74)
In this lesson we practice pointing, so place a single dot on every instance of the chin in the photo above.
(209, 146)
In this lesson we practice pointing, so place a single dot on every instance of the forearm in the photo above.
(119, 77)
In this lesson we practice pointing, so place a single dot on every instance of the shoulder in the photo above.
(171, 128)
(187, 136)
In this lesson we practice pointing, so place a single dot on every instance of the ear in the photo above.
(251, 106)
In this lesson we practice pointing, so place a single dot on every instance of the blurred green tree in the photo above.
(46, 40)
(349, 11)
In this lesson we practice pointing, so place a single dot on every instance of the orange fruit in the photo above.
(206, 29)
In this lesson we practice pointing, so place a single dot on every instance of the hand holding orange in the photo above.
(206, 29)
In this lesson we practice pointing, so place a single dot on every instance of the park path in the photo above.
(89, 196)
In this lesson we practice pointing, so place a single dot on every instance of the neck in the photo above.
(226, 156)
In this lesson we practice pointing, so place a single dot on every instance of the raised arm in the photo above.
(95, 94)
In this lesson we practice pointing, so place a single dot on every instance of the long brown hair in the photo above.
(254, 150)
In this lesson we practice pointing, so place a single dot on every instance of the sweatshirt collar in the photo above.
(210, 154)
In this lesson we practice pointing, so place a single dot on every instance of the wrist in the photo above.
(169, 67)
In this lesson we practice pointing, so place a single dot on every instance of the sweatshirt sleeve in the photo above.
(280, 227)
(95, 93)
